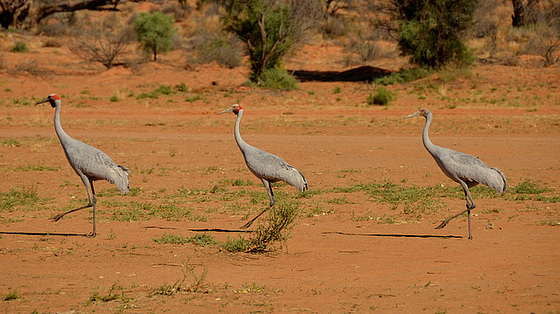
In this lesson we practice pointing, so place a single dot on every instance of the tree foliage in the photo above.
(155, 31)
(432, 32)
(269, 28)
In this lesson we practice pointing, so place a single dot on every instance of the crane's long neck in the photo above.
(62, 136)
(425, 138)
(240, 142)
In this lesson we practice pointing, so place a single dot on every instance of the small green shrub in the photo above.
(404, 76)
(528, 187)
(433, 33)
(382, 97)
(203, 239)
(277, 78)
(11, 296)
(170, 238)
(276, 229)
(19, 46)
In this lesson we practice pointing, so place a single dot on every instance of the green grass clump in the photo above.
(203, 239)
(111, 295)
(11, 296)
(38, 167)
(161, 90)
(170, 239)
(277, 79)
(382, 97)
(404, 76)
(276, 229)
(23, 198)
(11, 142)
(19, 47)
(528, 187)
(532, 190)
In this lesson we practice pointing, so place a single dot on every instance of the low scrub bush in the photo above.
(19, 47)
(382, 97)
(277, 78)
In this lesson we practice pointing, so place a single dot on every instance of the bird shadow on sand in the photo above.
(60, 234)
(220, 230)
(395, 235)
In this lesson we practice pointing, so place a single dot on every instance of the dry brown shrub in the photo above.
(29, 66)
(52, 43)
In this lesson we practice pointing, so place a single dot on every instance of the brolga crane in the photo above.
(464, 169)
(88, 162)
(265, 166)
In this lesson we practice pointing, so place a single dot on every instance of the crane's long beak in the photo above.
(416, 114)
(226, 111)
(42, 101)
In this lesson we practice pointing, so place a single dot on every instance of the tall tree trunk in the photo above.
(523, 14)
(13, 12)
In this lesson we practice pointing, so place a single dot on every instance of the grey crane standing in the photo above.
(265, 166)
(88, 162)
(465, 169)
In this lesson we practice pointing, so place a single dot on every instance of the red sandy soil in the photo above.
(335, 259)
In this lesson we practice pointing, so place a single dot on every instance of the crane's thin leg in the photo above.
(272, 203)
(470, 205)
(94, 199)
(92, 203)
(469, 220)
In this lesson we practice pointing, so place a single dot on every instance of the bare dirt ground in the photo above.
(347, 252)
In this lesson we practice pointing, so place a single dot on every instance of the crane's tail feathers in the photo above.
(497, 181)
(504, 187)
(304, 186)
(298, 180)
(121, 179)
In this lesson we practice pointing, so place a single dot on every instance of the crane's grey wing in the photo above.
(472, 170)
(273, 168)
(97, 165)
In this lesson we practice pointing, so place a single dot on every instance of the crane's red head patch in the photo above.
(52, 99)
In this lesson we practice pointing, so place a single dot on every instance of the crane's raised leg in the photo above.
(470, 205)
(92, 203)
(272, 203)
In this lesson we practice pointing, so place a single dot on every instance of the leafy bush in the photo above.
(382, 97)
(19, 46)
(269, 28)
(277, 78)
(155, 31)
(432, 32)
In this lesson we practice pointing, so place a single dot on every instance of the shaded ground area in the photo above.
(360, 74)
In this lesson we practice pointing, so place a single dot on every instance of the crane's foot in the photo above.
(91, 234)
(247, 225)
(250, 222)
(58, 217)
(442, 224)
